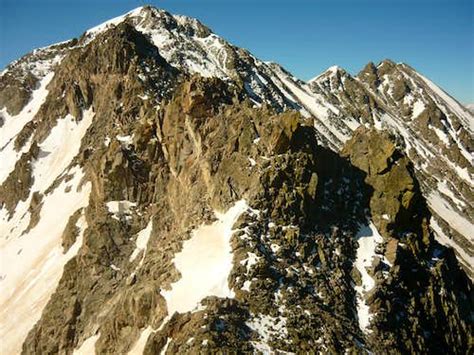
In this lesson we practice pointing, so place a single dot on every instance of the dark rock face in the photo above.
(435, 136)
(175, 148)
(396, 204)
(16, 187)
(22, 76)
(192, 156)
(15, 93)
(400, 214)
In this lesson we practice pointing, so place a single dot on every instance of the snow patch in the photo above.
(368, 238)
(142, 241)
(204, 263)
(445, 190)
(120, 209)
(441, 135)
(163, 351)
(418, 108)
(125, 139)
(246, 286)
(352, 123)
(250, 261)
(14, 124)
(88, 346)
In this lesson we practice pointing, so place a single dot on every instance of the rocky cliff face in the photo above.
(166, 192)
(433, 130)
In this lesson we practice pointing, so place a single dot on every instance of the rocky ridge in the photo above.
(165, 134)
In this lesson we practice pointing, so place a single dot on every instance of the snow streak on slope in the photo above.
(141, 243)
(442, 208)
(460, 224)
(139, 346)
(368, 238)
(32, 264)
(453, 105)
(94, 31)
(313, 105)
(58, 150)
(32, 260)
(56, 154)
(121, 209)
(463, 257)
(13, 125)
(204, 263)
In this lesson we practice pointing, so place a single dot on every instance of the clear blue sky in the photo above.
(436, 37)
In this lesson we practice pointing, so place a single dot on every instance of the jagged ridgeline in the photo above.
(163, 191)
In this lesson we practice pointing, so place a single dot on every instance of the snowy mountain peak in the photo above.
(397, 82)
(331, 71)
(149, 17)
(114, 21)
(334, 69)
(386, 63)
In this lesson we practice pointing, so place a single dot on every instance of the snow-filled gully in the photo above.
(368, 238)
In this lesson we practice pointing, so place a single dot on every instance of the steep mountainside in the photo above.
(163, 191)
(435, 132)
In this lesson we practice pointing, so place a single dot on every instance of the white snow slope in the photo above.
(32, 261)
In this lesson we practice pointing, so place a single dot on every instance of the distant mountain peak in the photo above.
(331, 71)
(386, 62)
